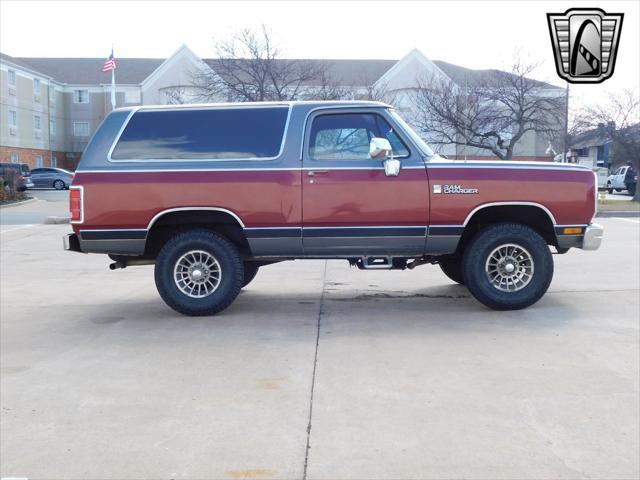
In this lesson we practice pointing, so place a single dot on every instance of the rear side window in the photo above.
(216, 134)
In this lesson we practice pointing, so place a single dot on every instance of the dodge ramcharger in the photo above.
(208, 194)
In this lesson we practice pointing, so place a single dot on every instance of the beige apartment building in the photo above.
(50, 107)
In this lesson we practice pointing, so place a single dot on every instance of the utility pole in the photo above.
(565, 145)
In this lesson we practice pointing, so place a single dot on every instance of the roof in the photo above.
(590, 138)
(88, 71)
(344, 72)
(133, 71)
(467, 76)
(16, 61)
(308, 103)
(600, 136)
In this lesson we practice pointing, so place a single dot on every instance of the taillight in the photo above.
(75, 204)
(20, 178)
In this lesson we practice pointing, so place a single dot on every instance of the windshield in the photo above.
(421, 144)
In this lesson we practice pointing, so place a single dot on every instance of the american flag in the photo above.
(110, 64)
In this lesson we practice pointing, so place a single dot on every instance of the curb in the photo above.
(56, 220)
(17, 204)
(626, 213)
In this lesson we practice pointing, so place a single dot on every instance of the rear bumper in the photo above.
(592, 237)
(71, 243)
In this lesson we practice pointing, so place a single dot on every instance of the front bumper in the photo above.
(592, 237)
(71, 243)
(589, 238)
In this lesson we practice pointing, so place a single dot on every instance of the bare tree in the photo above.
(619, 119)
(325, 86)
(249, 67)
(176, 95)
(490, 112)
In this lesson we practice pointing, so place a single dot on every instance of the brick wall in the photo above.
(67, 160)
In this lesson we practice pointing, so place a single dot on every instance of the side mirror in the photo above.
(380, 148)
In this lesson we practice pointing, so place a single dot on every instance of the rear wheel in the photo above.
(59, 185)
(452, 268)
(250, 272)
(199, 273)
(507, 266)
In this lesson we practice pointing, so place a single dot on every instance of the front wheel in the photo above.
(609, 188)
(507, 266)
(199, 273)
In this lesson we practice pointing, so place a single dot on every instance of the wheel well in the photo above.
(172, 223)
(530, 215)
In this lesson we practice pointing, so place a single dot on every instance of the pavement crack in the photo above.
(313, 376)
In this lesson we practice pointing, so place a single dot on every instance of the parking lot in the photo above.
(316, 371)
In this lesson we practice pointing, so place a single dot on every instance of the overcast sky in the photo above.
(479, 34)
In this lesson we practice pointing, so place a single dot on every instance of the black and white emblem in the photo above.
(585, 43)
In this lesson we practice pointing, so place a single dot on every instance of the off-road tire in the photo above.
(250, 272)
(452, 268)
(478, 251)
(231, 278)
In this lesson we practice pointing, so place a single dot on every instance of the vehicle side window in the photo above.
(203, 134)
(346, 136)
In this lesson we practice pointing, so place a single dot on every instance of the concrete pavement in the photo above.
(48, 203)
(411, 378)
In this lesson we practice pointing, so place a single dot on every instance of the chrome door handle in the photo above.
(313, 173)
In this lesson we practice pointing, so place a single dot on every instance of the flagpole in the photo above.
(113, 89)
(113, 83)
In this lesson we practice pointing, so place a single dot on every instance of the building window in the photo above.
(603, 152)
(39, 162)
(13, 118)
(14, 158)
(54, 162)
(11, 78)
(37, 124)
(81, 129)
(582, 152)
(52, 125)
(36, 86)
(81, 96)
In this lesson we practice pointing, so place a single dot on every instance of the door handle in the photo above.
(313, 173)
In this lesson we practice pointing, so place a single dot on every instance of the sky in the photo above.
(473, 34)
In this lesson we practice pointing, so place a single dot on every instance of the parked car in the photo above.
(51, 177)
(209, 194)
(623, 178)
(19, 171)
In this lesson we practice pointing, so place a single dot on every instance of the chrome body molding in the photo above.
(498, 204)
(240, 169)
(187, 209)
